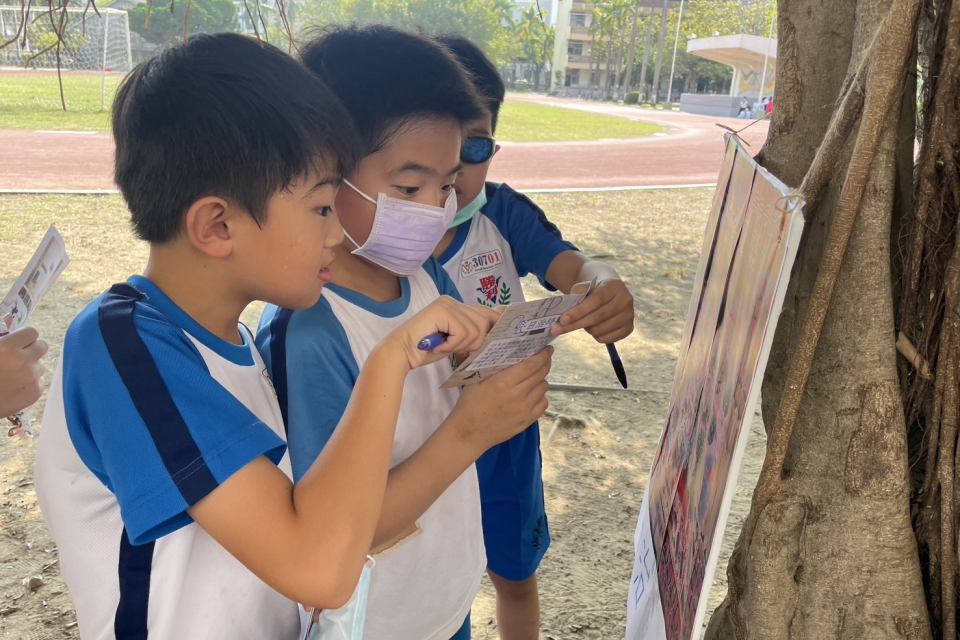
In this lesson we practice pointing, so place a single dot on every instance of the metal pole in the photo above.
(126, 30)
(673, 65)
(103, 68)
(763, 77)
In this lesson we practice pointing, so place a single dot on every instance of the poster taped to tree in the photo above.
(749, 247)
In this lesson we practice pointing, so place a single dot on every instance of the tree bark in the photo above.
(833, 554)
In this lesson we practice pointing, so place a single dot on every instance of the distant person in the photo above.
(21, 370)
(765, 105)
(744, 108)
(162, 469)
(769, 108)
(513, 237)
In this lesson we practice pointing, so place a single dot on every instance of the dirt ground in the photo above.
(595, 466)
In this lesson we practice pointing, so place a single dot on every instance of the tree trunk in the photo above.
(659, 64)
(623, 40)
(646, 55)
(632, 54)
(597, 43)
(833, 553)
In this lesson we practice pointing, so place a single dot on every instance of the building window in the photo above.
(572, 78)
(578, 19)
(575, 48)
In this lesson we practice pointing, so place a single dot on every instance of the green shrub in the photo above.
(632, 98)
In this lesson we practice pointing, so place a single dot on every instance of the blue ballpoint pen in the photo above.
(432, 341)
(617, 364)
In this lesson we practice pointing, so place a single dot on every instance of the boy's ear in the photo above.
(210, 223)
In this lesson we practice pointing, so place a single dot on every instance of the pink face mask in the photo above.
(404, 234)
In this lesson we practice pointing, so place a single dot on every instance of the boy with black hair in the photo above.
(161, 468)
(498, 236)
(409, 98)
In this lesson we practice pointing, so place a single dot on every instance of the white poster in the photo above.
(749, 246)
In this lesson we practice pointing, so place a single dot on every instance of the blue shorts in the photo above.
(464, 633)
(511, 500)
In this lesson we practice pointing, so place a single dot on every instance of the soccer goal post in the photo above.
(93, 42)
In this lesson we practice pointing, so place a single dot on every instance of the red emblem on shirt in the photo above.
(489, 286)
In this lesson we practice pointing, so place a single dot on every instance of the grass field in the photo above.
(531, 122)
(31, 100)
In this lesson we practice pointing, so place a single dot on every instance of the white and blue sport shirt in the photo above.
(424, 584)
(148, 412)
(507, 239)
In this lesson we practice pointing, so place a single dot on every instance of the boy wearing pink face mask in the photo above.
(394, 208)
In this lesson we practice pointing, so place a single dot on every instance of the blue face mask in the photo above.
(345, 623)
(470, 210)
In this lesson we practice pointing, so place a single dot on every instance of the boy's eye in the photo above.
(325, 211)
(408, 191)
(447, 187)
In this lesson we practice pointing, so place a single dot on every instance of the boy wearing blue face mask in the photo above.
(394, 208)
(497, 236)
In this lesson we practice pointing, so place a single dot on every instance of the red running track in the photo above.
(688, 152)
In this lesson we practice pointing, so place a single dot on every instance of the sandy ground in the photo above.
(594, 471)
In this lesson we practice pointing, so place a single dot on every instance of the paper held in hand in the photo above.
(46, 265)
(520, 333)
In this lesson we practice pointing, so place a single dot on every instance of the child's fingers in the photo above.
(573, 319)
(469, 325)
(36, 350)
(613, 330)
(490, 316)
(21, 338)
(592, 319)
(527, 374)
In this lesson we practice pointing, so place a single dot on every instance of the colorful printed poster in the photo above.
(749, 247)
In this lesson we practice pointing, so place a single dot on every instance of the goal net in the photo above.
(91, 42)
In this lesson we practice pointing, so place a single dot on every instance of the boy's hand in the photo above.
(465, 325)
(505, 404)
(21, 371)
(606, 314)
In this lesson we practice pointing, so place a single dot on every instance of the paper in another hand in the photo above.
(520, 333)
(46, 265)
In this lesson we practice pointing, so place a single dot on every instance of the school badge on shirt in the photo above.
(481, 262)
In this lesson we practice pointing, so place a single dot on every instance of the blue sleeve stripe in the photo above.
(278, 361)
(134, 363)
(134, 567)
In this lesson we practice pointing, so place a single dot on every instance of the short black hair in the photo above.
(221, 115)
(387, 77)
(485, 76)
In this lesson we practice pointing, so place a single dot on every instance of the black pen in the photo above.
(617, 364)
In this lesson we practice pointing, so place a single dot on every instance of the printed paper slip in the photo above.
(522, 331)
(46, 265)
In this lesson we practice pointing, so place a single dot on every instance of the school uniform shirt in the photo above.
(148, 412)
(422, 587)
(507, 239)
